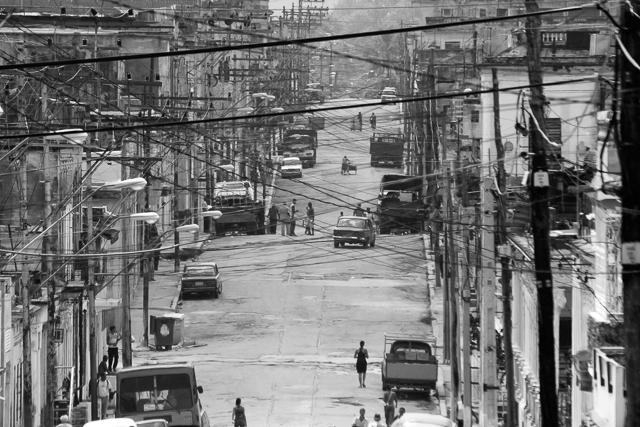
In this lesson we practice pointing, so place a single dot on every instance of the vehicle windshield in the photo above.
(355, 223)
(389, 92)
(291, 162)
(155, 393)
(235, 185)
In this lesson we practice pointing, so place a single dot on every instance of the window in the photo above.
(447, 12)
(557, 39)
(452, 45)
(482, 13)
(502, 12)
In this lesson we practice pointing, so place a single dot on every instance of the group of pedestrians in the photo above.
(286, 216)
(357, 122)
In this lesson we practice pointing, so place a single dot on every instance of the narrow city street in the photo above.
(282, 336)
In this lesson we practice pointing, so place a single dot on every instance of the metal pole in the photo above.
(127, 356)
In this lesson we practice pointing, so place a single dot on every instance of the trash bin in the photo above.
(167, 330)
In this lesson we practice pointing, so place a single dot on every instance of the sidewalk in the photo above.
(437, 315)
(164, 291)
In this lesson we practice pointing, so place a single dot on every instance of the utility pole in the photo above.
(91, 297)
(453, 303)
(466, 324)
(539, 198)
(511, 419)
(488, 368)
(127, 356)
(27, 399)
(630, 230)
(47, 265)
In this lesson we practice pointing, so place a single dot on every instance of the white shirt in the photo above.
(103, 388)
(358, 423)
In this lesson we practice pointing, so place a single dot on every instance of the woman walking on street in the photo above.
(361, 364)
(311, 217)
(237, 416)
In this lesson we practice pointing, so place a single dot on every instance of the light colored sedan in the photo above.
(414, 419)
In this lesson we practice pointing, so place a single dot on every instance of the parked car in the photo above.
(203, 277)
(291, 167)
(354, 230)
(409, 362)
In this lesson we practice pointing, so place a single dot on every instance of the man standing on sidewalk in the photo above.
(273, 219)
(284, 218)
(294, 210)
(112, 348)
(104, 390)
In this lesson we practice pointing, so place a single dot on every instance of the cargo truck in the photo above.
(409, 362)
(386, 149)
(400, 204)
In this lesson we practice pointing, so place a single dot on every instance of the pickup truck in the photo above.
(409, 362)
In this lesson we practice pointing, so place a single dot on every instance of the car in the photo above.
(414, 419)
(201, 278)
(388, 94)
(291, 167)
(357, 230)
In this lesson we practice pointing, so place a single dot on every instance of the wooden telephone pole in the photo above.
(539, 198)
(630, 230)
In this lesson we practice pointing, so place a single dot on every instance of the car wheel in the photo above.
(336, 244)
(373, 243)
(365, 244)
(342, 244)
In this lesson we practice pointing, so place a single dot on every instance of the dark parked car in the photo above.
(201, 278)
(354, 230)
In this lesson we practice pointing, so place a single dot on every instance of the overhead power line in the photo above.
(267, 115)
(292, 42)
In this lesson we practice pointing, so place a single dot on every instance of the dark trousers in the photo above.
(113, 358)
(273, 225)
(292, 227)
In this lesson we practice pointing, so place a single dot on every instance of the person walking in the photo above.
(390, 404)
(293, 210)
(311, 217)
(358, 211)
(361, 355)
(274, 216)
(104, 390)
(238, 417)
(400, 414)
(372, 121)
(360, 121)
(283, 218)
(345, 165)
(360, 421)
(112, 348)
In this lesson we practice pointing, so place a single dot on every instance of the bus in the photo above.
(167, 392)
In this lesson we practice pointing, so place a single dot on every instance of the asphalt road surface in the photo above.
(282, 336)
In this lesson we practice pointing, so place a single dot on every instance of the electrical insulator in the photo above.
(84, 42)
(119, 43)
(128, 76)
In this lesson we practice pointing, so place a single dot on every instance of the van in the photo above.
(167, 392)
